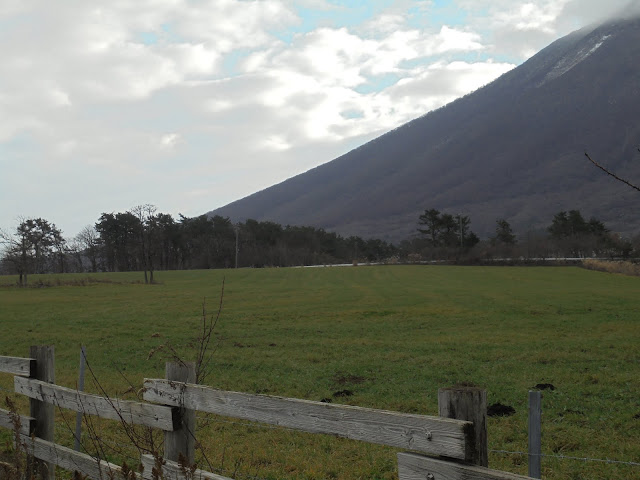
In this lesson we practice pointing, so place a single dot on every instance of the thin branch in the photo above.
(208, 327)
(608, 172)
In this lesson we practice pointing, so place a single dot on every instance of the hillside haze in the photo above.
(513, 149)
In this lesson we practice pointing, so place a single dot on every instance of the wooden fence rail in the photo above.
(18, 366)
(25, 424)
(156, 416)
(457, 444)
(412, 466)
(434, 435)
(68, 459)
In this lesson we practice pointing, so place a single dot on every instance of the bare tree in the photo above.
(89, 240)
(145, 214)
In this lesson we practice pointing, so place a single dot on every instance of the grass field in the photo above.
(392, 335)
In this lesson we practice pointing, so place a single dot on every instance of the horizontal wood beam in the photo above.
(155, 416)
(422, 433)
(71, 460)
(6, 421)
(18, 366)
(173, 471)
(418, 467)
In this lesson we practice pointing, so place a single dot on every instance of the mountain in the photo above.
(513, 149)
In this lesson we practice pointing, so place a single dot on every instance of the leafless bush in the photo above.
(18, 465)
(621, 267)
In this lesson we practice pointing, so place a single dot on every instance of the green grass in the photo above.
(393, 335)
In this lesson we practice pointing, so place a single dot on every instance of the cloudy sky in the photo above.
(191, 104)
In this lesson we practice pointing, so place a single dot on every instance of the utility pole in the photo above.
(237, 230)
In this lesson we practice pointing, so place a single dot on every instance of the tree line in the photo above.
(142, 239)
(443, 236)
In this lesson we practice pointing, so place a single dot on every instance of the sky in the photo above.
(189, 105)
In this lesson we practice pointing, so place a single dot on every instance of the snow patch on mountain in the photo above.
(568, 62)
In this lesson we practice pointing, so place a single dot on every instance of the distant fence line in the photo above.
(450, 446)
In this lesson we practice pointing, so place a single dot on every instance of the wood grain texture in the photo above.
(7, 422)
(413, 432)
(418, 467)
(42, 412)
(173, 471)
(468, 403)
(17, 366)
(131, 412)
(71, 460)
(181, 442)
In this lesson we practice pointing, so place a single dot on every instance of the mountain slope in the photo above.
(513, 149)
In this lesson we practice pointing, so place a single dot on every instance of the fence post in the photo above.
(42, 412)
(535, 434)
(83, 356)
(181, 442)
(470, 404)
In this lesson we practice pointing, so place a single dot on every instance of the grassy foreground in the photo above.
(391, 335)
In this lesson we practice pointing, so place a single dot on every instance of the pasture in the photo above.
(383, 337)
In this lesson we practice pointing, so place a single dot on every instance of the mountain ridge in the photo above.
(512, 149)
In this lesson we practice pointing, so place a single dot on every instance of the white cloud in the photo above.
(169, 140)
(65, 147)
(540, 16)
(227, 96)
(520, 29)
(275, 142)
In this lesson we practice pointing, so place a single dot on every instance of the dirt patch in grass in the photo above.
(544, 386)
(348, 379)
(500, 410)
(342, 393)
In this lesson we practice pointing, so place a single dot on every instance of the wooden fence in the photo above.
(452, 446)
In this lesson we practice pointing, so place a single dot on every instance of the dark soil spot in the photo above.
(342, 393)
(272, 345)
(347, 379)
(571, 411)
(240, 345)
(326, 400)
(637, 416)
(500, 410)
(544, 386)
(464, 384)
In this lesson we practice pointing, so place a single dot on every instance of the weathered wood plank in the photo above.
(131, 412)
(71, 460)
(181, 442)
(423, 433)
(6, 421)
(418, 467)
(41, 411)
(173, 471)
(17, 366)
(468, 403)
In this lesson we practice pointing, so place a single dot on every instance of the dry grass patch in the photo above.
(622, 267)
